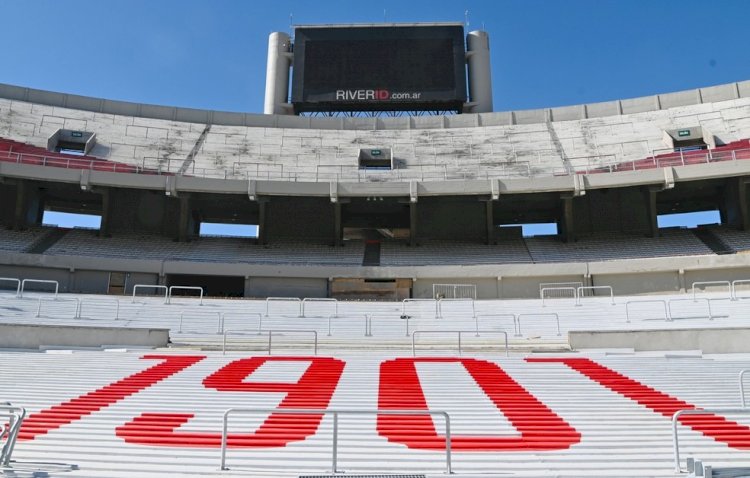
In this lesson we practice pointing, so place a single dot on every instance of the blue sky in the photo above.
(212, 54)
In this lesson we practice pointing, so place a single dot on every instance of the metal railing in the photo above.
(559, 290)
(38, 281)
(696, 411)
(734, 287)
(285, 299)
(441, 301)
(9, 430)
(551, 314)
(712, 282)
(405, 302)
(76, 311)
(710, 315)
(270, 337)
(219, 321)
(335, 413)
(308, 300)
(150, 286)
(184, 287)
(458, 333)
(368, 323)
(742, 387)
(593, 289)
(654, 301)
(13, 279)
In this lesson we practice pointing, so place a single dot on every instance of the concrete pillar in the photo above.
(104, 228)
(489, 209)
(337, 228)
(412, 223)
(277, 73)
(568, 223)
(480, 78)
(183, 223)
(742, 209)
(262, 220)
(19, 216)
(651, 210)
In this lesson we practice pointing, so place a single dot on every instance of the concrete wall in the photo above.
(286, 287)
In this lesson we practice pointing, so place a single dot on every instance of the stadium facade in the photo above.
(375, 207)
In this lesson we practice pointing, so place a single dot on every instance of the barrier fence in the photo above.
(558, 293)
(335, 439)
(295, 300)
(310, 300)
(552, 314)
(150, 286)
(16, 281)
(184, 287)
(581, 292)
(713, 283)
(704, 411)
(9, 430)
(441, 301)
(458, 333)
(270, 337)
(38, 281)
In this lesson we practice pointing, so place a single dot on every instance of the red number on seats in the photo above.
(313, 390)
(714, 426)
(55, 417)
(540, 427)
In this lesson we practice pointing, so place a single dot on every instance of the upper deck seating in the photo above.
(614, 246)
(19, 241)
(205, 249)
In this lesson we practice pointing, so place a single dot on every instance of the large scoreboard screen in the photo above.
(371, 68)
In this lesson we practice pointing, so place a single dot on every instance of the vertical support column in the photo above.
(744, 216)
(567, 217)
(480, 81)
(413, 223)
(277, 74)
(19, 216)
(182, 225)
(104, 228)
(262, 220)
(651, 209)
(489, 209)
(337, 229)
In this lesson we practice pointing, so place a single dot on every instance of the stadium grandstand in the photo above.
(389, 318)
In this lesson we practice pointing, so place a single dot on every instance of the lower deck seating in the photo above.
(20, 240)
(141, 414)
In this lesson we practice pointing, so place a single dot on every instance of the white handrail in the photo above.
(440, 306)
(307, 300)
(285, 299)
(38, 281)
(335, 413)
(150, 286)
(13, 279)
(184, 287)
(654, 301)
(15, 417)
(742, 387)
(575, 293)
(409, 301)
(696, 411)
(594, 288)
(459, 333)
(708, 304)
(713, 282)
(734, 287)
(270, 335)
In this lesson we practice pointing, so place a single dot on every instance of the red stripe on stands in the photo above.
(714, 426)
(55, 417)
